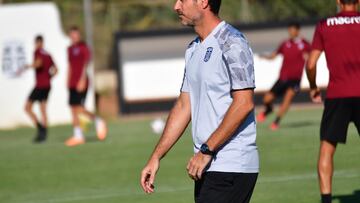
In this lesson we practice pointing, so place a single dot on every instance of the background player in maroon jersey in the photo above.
(294, 51)
(44, 70)
(78, 82)
(339, 38)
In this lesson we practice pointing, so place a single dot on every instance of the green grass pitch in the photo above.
(108, 172)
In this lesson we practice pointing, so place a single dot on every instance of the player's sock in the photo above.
(325, 198)
(78, 134)
(38, 125)
(98, 121)
(101, 129)
(277, 120)
(42, 133)
(268, 109)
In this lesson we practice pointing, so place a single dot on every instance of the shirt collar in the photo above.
(213, 32)
(348, 13)
(296, 40)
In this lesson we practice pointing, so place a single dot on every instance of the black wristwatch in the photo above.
(205, 150)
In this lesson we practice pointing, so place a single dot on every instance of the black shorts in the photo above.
(281, 86)
(39, 94)
(215, 187)
(77, 98)
(338, 113)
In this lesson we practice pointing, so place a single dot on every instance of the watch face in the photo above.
(204, 148)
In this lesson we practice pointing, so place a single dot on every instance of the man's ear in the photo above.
(204, 3)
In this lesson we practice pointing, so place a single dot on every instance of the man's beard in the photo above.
(186, 21)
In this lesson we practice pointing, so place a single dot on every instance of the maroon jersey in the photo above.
(293, 63)
(79, 57)
(339, 38)
(43, 73)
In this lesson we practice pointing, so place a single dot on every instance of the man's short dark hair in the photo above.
(349, 1)
(215, 6)
(74, 28)
(39, 38)
(294, 24)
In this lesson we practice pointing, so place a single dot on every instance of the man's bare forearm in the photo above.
(311, 75)
(271, 56)
(84, 71)
(176, 124)
(311, 67)
(37, 64)
(234, 117)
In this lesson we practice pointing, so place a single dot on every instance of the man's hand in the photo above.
(81, 86)
(148, 175)
(272, 56)
(315, 96)
(53, 71)
(197, 165)
(21, 70)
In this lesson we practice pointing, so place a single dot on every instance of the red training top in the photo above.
(293, 63)
(339, 38)
(42, 74)
(79, 57)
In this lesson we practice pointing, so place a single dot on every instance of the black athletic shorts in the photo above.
(39, 94)
(77, 98)
(281, 86)
(338, 113)
(222, 187)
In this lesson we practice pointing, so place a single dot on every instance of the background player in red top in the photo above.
(339, 38)
(44, 70)
(78, 82)
(295, 50)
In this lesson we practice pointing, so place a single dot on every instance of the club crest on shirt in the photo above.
(301, 46)
(209, 51)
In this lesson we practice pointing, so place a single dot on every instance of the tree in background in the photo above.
(129, 15)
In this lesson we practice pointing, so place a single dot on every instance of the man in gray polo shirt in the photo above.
(217, 97)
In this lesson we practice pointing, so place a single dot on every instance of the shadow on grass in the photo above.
(62, 139)
(299, 124)
(92, 139)
(351, 198)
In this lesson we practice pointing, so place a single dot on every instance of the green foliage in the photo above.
(250, 11)
(129, 15)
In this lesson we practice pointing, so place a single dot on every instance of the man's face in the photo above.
(189, 11)
(74, 36)
(342, 6)
(293, 32)
(38, 44)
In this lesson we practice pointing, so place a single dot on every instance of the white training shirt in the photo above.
(214, 67)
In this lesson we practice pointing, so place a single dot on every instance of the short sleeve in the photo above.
(239, 63)
(87, 54)
(318, 42)
(185, 84)
(37, 55)
(52, 61)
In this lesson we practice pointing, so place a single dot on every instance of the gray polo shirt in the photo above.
(214, 67)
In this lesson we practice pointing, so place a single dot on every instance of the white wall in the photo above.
(20, 23)
(161, 79)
